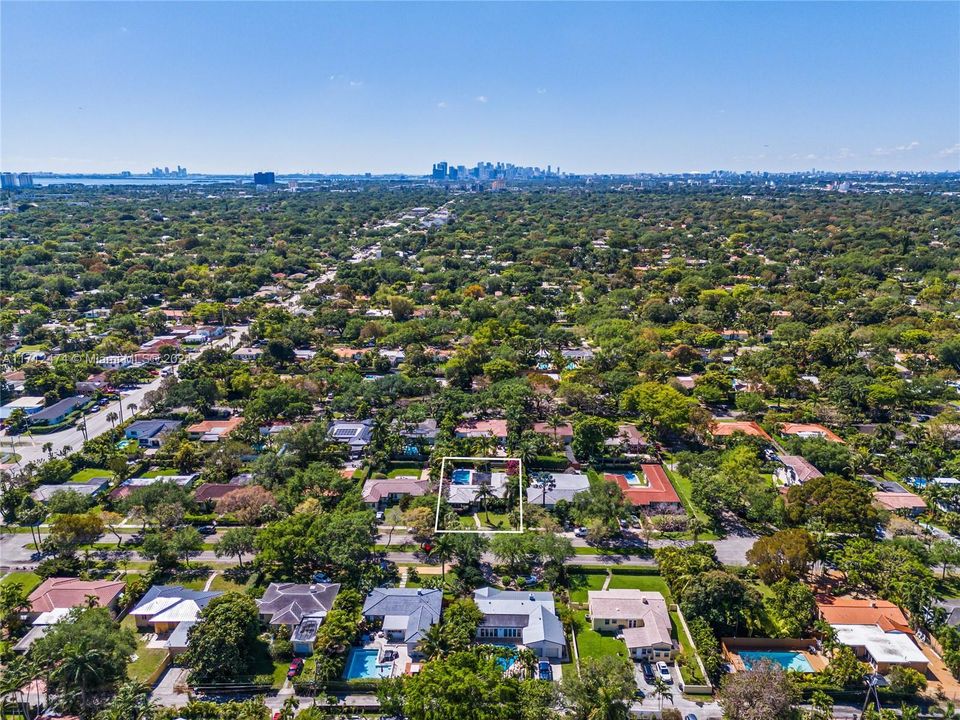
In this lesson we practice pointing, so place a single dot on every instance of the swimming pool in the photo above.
(632, 478)
(786, 659)
(363, 664)
(461, 476)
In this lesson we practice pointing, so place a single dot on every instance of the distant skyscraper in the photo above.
(440, 171)
(25, 180)
(264, 178)
(8, 181)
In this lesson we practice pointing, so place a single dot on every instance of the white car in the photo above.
(664, 672)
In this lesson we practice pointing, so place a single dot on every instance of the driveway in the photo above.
(167, 690)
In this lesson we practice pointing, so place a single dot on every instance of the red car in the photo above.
(296, 667)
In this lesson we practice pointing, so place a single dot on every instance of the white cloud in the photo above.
(442, 104)
(356, 83)
(541, 91)
(481, 98)
(947, 152)
(913, 145)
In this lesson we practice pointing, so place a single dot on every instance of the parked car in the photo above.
(207, 530)
(689, 716)
(544, 671)
(647, 669)
(380, 516)
(664, 672)
(296, 667)
(580, 532)
(321, 577)
(639, 694)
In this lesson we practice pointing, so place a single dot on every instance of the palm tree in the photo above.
(80, 670)
(555, 422)
(48, 449)
(132, 702)
(527, 660)
(483, 495)
(442, 548)
(433, 645)
(66, 450)
(132, 408)
(112, 417)
(661, 690)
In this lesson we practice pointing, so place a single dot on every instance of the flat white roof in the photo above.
(25, 402)
(885, 647)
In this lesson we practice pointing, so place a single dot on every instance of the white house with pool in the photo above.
(464, 484)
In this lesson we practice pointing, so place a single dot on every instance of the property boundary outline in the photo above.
(443, 467)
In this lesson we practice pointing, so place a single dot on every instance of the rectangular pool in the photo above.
(788, 660)
(362, 664)
(461, 476)
(632, 478)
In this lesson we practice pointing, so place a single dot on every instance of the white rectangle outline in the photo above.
(436, 520)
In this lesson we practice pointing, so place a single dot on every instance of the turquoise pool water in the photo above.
(787, 660)
(632, 478)
(461, 477)
(363, 664)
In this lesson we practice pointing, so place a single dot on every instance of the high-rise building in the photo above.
(8, 181)
(25, 180)
(264, 178)
(440, 171)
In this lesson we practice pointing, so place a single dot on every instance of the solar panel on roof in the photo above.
(343, 432)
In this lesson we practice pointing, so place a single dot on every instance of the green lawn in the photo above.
(582, 581)
(161, 471)
(648, 583)
(225, 584)
(684, 489)
(497, 521)
(148, 659)
(27, 580)
(408, 470)
(691, 674)
(593, 644)
(82, 476)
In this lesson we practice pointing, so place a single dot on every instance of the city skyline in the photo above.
(594, 88)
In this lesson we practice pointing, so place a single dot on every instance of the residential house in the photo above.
(795, 470)
(29, 405)
(650, 491)
(170, 611)
(548, 488)
(150, 433)
(208, 493)
(562, 434)
(127, 486)
(495, 428)
(641, 618)
(213, 430)
(522, 618)
(302, 608)
(382, 492)
(355, 435)
(56, 597)
(809, 430)
(58, 412)
(903, 503)
(91, 487)
(420, 435)
(877, 631)
(726, 428)
(248, 354)
(404, 614)
(627, 441)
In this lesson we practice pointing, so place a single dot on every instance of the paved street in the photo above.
(30, 448)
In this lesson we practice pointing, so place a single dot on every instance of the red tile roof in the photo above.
(854, 611)
(658, 489)
(729, 427)
(56, 593)
(810, 428)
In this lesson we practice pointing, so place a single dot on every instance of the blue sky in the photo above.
(383, 87)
